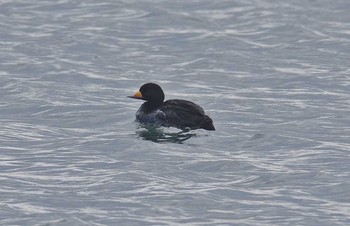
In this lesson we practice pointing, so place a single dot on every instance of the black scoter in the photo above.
(177, 113)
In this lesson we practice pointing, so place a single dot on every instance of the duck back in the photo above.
(183, 113)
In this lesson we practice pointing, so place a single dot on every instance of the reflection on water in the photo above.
(274, 76)
(159, 135)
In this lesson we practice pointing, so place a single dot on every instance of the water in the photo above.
(273, 75)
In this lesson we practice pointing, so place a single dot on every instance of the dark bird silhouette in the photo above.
(177, 113)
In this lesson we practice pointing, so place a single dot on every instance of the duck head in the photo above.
(150, 92)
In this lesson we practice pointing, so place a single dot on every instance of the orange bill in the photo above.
(137, 95)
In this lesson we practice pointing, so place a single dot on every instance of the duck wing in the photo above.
(183, 113)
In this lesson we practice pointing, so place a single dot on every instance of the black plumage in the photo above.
(177, 113)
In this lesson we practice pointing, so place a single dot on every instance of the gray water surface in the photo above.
(273, 75)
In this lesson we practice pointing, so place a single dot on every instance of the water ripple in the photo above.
(273, 76)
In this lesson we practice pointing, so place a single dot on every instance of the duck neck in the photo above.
(151, 106)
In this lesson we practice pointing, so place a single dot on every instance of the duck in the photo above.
(182, 114)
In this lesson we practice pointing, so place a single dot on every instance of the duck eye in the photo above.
(146, 90)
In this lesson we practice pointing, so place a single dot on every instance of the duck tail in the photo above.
(208, 124)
